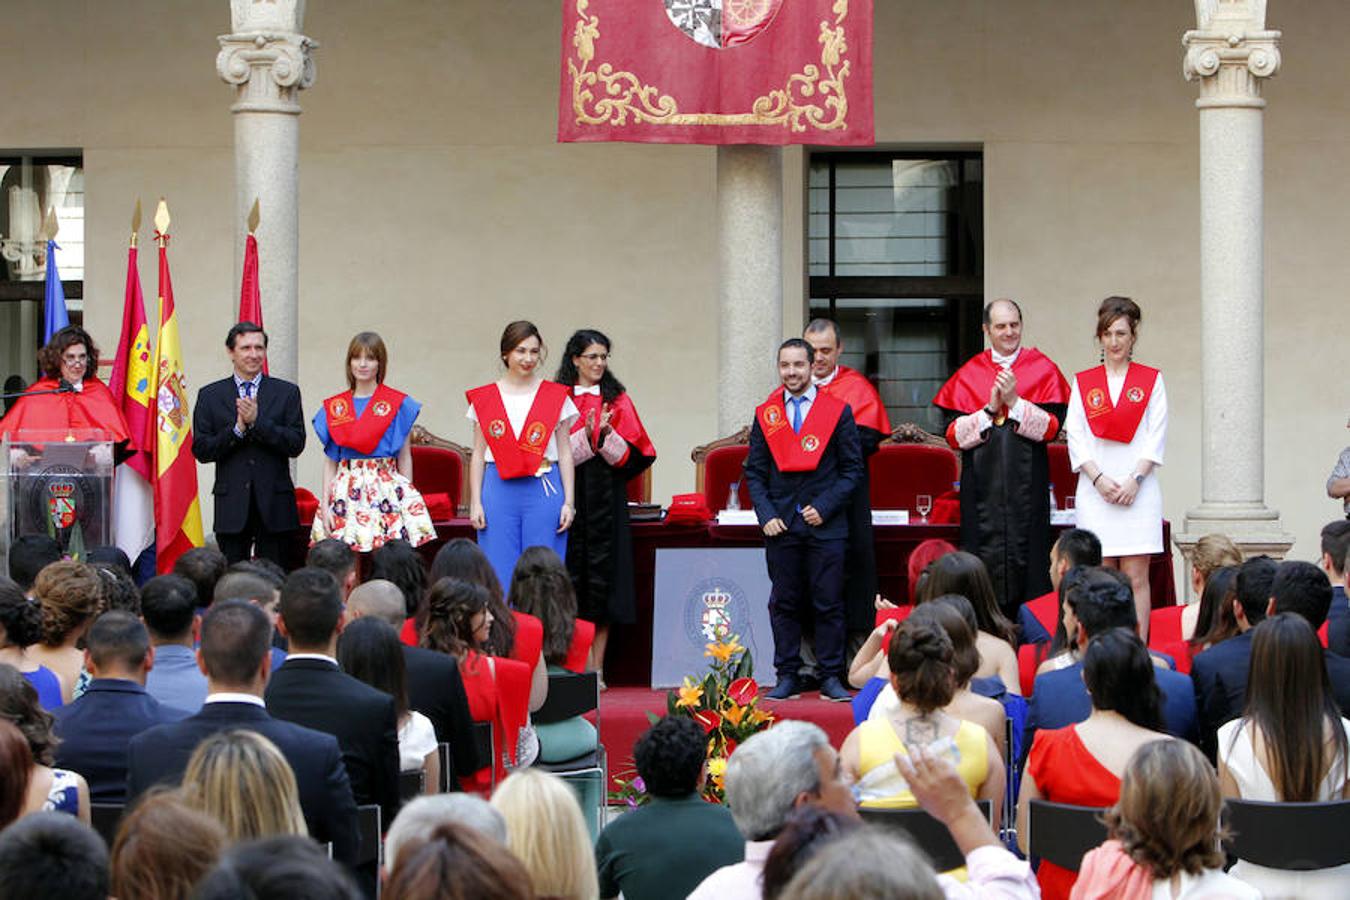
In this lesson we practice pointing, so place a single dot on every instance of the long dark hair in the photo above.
(610, 387)
(369, 650)
(1289, 701)
(463, 559)
(1216, 620)
(965, 574)
(398, 562)
(1119, 676)
(19, 704)
(451, 605)
(20, 617)
(541, 587)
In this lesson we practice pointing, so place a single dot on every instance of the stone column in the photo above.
(1231, 54)
(269, 62)
(750, 273)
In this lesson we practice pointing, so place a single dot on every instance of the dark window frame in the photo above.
(35, 291)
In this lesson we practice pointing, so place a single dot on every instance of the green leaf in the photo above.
(652, 718)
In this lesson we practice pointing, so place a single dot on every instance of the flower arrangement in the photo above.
(724, 703)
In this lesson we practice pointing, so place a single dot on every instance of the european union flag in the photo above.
(54, 316)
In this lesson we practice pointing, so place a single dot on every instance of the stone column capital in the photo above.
(268, 69)
(1231, 53)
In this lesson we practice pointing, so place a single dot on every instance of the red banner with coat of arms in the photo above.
(717, 71)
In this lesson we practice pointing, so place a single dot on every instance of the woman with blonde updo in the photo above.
(68, 593)
(1212, 552)
(240, 779)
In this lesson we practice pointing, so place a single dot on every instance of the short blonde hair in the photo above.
(241, 779)
(545, 830)
(1214, 551)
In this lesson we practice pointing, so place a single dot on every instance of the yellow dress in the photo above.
(880, 783)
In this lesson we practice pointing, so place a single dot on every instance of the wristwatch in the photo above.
(1138, 479)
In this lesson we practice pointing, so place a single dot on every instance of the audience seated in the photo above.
(458, 622)
(1099, 600)
(547, 833)
(1263, 589)
(1291, 744)
(1082, 764)
(248, 581)
(20, 628)
(435, 688)
(1074, 548)
(169, 610)
(965, 575)
(1216, 621)
(29, 554)
(664, 848)
(50, 855)
(1336, 563)
(49, 788)
(116, 590)
(163, 849)
(921, 558)
(369, 650)
(1040, 621)
(338, 559)
(310, 689)
(240, 779)
(16, 765)
(1164, 833)
(203, 566)
(770, 775)
(807, 830)
(278, 868)
(423, 815)
(234, 655)
(400, 563)
(68, 594)
(95, 730)
(456, 862)
(1211, 553)
(924, 676)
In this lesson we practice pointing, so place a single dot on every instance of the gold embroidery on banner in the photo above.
(622, 94)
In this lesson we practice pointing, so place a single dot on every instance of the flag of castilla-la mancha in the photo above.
(717, 71)
(178, 517)
(133, 387)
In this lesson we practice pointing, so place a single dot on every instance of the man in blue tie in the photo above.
(804, 462)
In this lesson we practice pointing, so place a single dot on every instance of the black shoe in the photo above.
(787, 688)
(807, 682)
(833, 689)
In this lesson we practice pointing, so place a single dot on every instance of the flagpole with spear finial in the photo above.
(136, 224)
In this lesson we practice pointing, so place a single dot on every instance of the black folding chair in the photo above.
(447, 775)
(1062, 834)
(1291, 836)
(104, 817)
(485, 747)
(927, 833)
(411, 784)
(570, 695)
(368, 823)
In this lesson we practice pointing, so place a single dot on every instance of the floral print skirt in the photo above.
(371, 504)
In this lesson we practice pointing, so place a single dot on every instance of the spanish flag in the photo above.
(178, 516)
(132, 386)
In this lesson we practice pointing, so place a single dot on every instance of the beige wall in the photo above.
(435, 204)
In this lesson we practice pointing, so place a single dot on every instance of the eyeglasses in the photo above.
(69, 358)
(595, 357)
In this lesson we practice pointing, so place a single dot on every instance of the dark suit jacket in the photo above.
(160, 755)
(316, 694)
(828, 487)
(96, 729)
(1060, 698)
(436, 690)
(256, 465)
(1338, 622)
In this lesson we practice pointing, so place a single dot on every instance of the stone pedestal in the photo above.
(269, 62)
(1231, 54)
(750, 273)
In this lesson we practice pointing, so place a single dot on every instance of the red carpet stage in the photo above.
(623, 718)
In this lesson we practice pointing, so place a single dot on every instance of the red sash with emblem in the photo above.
(518, 457)
(798, 451)
(362, 433)
(1116, 421)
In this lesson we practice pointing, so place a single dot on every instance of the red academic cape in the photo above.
(518, 457)
(499, 694)
(529, 643)
(1039, 381)
(854, 389)
(1116, 421)
(798, 451)
(88, 414)
(623, 418)
(583, 635)
(363, 433)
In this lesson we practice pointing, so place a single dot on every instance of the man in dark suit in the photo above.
(435, 688)
(1263, 589)
(1099, 600)
(251, 426)
(234, 641)
(1336, 563)
(95, 730)
(310, 689)
(804, 463)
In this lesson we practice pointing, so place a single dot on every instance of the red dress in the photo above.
(529, 643)
(498, 691)
(1066, 772)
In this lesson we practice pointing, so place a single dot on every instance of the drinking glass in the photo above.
(924, 504)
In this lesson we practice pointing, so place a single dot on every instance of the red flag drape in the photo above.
(133, 387)
(250, 297)
(717, 72)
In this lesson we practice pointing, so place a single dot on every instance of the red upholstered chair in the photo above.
(717, 465)
(640, 488)
(900, 472)
(1064, 479)
(439, 470)
(307, 505)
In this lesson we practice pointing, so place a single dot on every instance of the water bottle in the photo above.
(734, 496)
(1053, 506)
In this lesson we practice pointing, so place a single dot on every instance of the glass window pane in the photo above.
(29, 187)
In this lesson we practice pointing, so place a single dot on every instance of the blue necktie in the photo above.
(248, 389)
(797, 413)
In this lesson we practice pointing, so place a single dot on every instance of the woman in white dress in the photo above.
(1291, 745)
(1117, 427)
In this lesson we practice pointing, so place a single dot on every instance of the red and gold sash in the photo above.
(518, 457)
(1116, 421)
(362, 433)
(792, 451)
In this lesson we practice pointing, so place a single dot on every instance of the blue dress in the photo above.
(48, 687)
